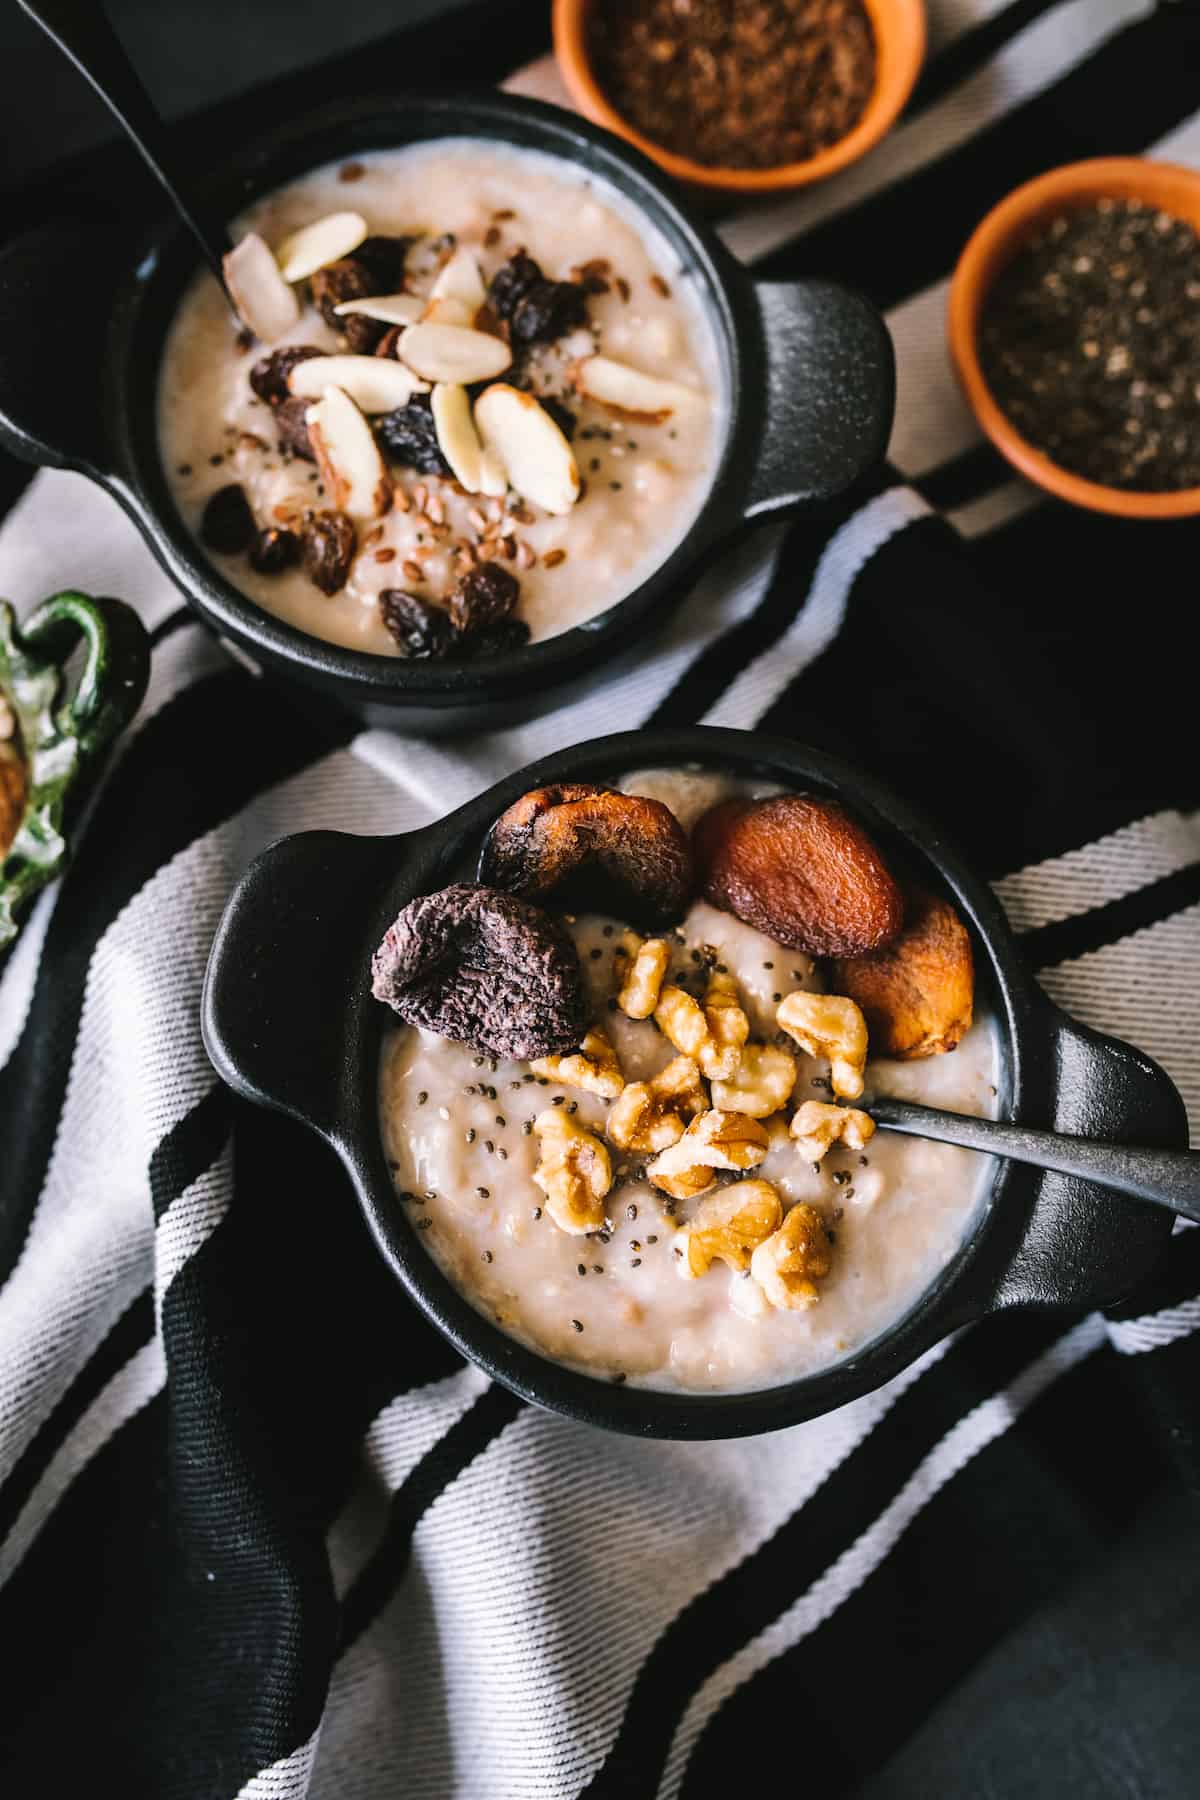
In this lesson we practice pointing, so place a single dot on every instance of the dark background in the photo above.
(1096, 1696)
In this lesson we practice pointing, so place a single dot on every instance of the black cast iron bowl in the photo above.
(289, 1022)
(807, 368)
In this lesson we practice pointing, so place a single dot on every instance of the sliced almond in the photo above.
(263, 298)
(631, 393)
(453, 353)
(457, 438)
(324, 241)
(529, 446)
(492, 480)
(348, 457)
(375, 383)
(392, 309)
(458, 293)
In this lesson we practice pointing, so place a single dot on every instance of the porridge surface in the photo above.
(645, 483)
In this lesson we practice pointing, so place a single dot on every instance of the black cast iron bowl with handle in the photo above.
(290, 1022)
(807, 370)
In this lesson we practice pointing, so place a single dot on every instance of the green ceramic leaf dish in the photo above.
(54, 730)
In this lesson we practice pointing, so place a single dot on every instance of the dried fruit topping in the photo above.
(324, 241)
(494, 640)
(409, 436)
(348, 279)
(831, 1026)
(761, 1083)
(594, 848)
(484, 597)
(291, 427)
(372, 382)
(801, 870)
(574, 1172)
(715, 1140)
(917, 995)
(384, 259)
(728, 1226)
(650, 1115)
(421, 630)
(534, 309)
(631, 394)
(712, 1033)
(348, 457)
(263, 298)
(511, 282)
(227, 524)
(485, 967)
(269, 375)
(641, 965)
(792, 1261)
(274, 550)
(593, 1067)
(529, 446)
(328, 544)
(817, 1127)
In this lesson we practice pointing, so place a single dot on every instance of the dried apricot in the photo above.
(917, 994)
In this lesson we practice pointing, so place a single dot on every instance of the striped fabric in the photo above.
(262, 1534)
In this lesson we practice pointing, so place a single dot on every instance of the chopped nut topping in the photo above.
(729, 1226)
(574, 1172)
(817, 1126)
(593, 1067)
(790, 1263)
(650, 1115)
(641, 964)
(715, 1140)
(761, 1083)
(712, 1034)
(830, 1026)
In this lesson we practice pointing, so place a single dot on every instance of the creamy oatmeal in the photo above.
(637, 1289)
(493, 280)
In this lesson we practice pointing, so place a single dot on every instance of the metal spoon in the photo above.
(1169, 1178)
(82, 32)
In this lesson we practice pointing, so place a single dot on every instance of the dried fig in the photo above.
(917, 994)
(329, 543)
(349, 279)
(274, 550)
(486, 968)
(269, 375)
(801, 870)
(591, 848)
(422, 631)
(485, 596)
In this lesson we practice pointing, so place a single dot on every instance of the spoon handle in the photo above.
(81, 30)
(1167, 1177)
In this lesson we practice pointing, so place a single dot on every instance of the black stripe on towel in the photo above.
(1066, 939)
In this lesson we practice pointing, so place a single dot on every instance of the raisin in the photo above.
(486, 968)
(422, 630)
(329, 544)
(409, 436)
(269, 376)
(511, 283)
(389, 343)
(291, 425)
(384, 259)
(274, 550)
(485, 596)
(493, 640)
(549, 310)
(347, 279)
(562, 415)
(227, 523)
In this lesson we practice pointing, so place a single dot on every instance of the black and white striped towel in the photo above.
(262, 1534)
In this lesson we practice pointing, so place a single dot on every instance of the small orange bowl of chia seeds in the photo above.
(1074, 326)
(742, 99)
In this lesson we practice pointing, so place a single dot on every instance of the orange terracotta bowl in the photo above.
(899, 48)
(1006, 228)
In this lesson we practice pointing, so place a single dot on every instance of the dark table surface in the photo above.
(1095, 1696)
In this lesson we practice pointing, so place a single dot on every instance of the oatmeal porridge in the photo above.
(683, 1193)
(482, 406)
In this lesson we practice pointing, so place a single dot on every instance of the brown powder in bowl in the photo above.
(739, 84)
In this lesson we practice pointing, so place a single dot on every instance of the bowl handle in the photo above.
(56, 286)
(288, 974)
(1084, 1247)
(830, 394)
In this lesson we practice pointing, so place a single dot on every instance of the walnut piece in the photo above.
(650, 1115)
(712, 1034)
(729, 1225)
(593, 1067)
(790, 1263)
(574, 1172)
(830, 1026)
(641, 964)
(715, 1140)
(817, 1126)
(761, 1083)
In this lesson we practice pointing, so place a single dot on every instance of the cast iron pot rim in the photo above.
(269, 161)
(933, 1314)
